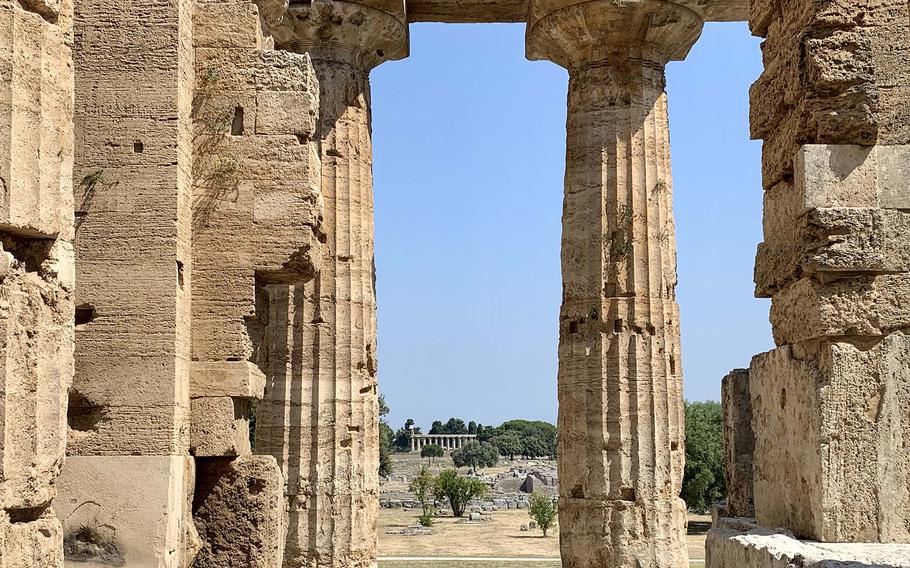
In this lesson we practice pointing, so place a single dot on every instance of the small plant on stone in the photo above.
(660, 187)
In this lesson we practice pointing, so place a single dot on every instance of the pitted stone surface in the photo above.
(742, 543)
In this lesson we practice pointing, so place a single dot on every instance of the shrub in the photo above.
(457, 490)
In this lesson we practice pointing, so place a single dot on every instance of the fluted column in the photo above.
(332, 435)
(620, 382)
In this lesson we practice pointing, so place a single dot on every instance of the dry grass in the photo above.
(498, 537)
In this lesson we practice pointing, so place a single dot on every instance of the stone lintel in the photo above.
(742, 543)
(240, 379)
(505, 11)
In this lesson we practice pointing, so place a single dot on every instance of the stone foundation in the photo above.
(742, 543)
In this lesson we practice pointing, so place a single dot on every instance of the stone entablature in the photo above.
(444, 441)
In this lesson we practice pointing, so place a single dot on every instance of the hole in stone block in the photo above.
(783, 398)
(672, 365)
(333, 153)
(674, 445)
(27, 252)
(29, 515)
(82, 415)
(380, 53)
(180, 274)
(302, 139)
(627, 494)
(85, 314)
(138, 147)
(573, 327)
(237, 123)
(95, 545)
(617, 325)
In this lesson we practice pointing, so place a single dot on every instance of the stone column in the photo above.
(620, 381)
(323, 408)
(36, 274)
(128, 476)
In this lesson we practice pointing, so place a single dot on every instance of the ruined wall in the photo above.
(257, 209)
(739, 443)
(36, 274)
(129, 406)
(831, 405)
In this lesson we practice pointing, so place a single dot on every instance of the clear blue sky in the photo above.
(469, 149)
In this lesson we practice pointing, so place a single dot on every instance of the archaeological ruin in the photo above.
(187, 235)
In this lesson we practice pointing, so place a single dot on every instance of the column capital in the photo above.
(364, 33)
(576, 33)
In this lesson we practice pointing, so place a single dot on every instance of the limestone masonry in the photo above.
(187, 284)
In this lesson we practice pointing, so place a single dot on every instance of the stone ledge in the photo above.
(240, 379)
(742, 543)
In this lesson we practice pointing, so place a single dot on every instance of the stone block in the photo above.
(239, 511)
(36, 117)
(240, 379)
(31, 542)
(126, 511)
(220, 426)
(739, 443)
(741, 543)
(858, 306)
(287, 112)
(831, 427)
(227, 25)
(830, 175)
(831, 243)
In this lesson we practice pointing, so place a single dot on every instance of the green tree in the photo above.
(457, 490)
(538, 437)
(436, 427)
(509, 444)
(703, 482)
(431, 451)
(402, 441)
(543, 511)
(385, 439)
(423, 487)
(476, 454)
(472, 427)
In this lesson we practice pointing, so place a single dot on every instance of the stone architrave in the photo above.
(620, 375)
(36, 275)
(320, 415)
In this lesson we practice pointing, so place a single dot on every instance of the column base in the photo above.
(622, 534)
(126, 511)
(742, 543)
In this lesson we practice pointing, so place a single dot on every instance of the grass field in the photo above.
(499, 537)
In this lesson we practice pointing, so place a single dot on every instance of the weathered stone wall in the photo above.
(257, 208)
(129, 406)
(831, 405)
(36, 274)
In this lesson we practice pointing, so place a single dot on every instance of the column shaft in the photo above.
(620, 382)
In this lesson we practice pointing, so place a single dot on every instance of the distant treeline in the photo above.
(524, 438)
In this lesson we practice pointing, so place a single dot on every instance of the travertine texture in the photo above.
(129, 406)
(739, 443)
(320, 416)
(831, 405)
(741, 543)
(36, 275)
(127, 511)
(832, 426)
(835, 73)
(620, 376)
(257, 208)
(238, 509)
